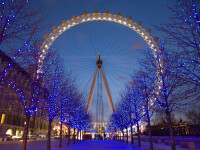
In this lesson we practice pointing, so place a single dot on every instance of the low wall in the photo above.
(191, 142)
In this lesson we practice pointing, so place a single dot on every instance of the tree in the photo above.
(159, 117)
(137, 114)
(37, 93)
(183, 31)
(193, 115)
(172, 92)
(30, 91)
(64, 102)
(124, 113)
(19, 24)
(75, 115)
(145, 88)
(53, 77)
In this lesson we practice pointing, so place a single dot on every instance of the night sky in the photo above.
(119, 46)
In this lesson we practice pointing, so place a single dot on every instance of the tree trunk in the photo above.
(60, 140)
(126, 135)
(132, 134)
(138, 129)
(80, 134)
(122, 135)
(149, 131)
(170, 130)
(49, 135)
(26, 131)
(84, 138)
(74, 137)
(195, 133)
(68, 140)
(109, 134)
(118, 138)
(77, 136)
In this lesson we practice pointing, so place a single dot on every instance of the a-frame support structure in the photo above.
(99, 67)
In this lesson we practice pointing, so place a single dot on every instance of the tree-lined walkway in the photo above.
(84, 145)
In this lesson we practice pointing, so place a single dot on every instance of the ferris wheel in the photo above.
(117, 57)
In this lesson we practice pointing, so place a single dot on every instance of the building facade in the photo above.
(13, 80)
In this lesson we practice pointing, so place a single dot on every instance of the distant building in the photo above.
(181, 128)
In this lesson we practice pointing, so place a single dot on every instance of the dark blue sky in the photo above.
(118, 45)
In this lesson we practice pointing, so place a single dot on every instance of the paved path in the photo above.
(84, 145)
